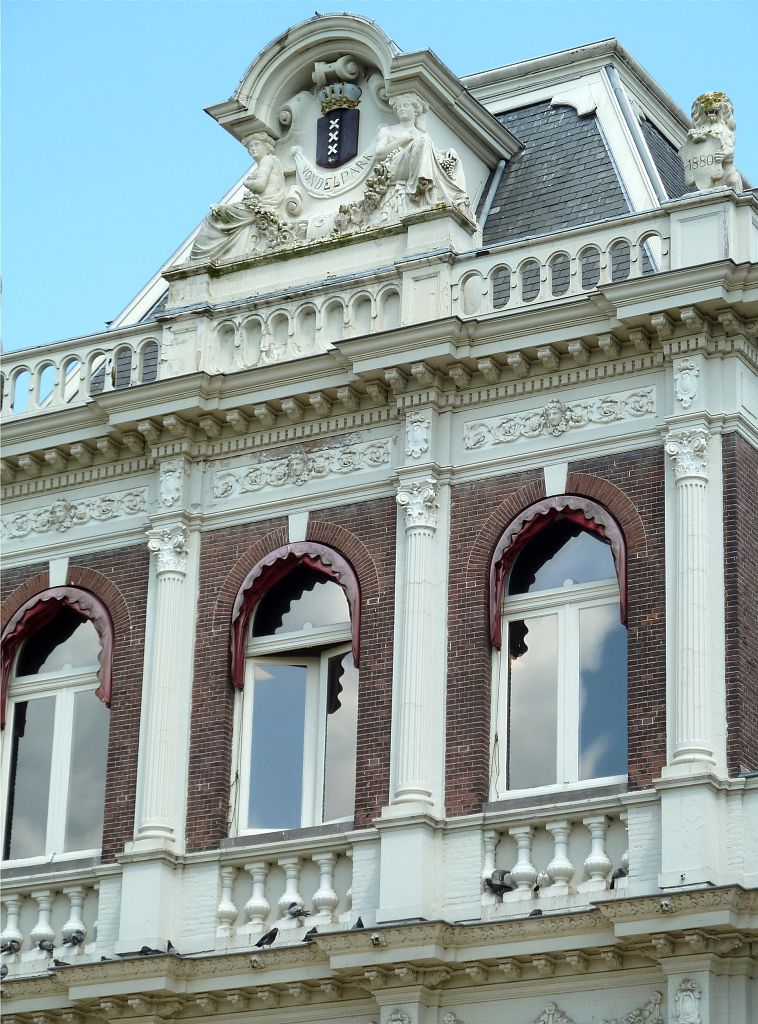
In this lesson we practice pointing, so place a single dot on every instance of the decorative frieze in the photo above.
(557, 418)
(63, 515)
(300, 466)
(171, 481)
(552, 1015)
(417, 427)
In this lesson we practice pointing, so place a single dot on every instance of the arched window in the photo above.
(56, 745)
(297, 713)
(559, 703)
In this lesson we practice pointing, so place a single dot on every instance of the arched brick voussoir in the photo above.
(222, 609)
(356, 552)
(109, 594)
(483, 545)
(21, 594)
(620, 506)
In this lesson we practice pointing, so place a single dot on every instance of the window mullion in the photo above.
(572, 691)
(314, 741)
(60, 764)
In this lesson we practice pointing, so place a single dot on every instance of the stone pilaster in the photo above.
(418, 500)
(688, 449)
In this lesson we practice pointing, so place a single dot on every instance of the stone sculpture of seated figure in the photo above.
(226, 223)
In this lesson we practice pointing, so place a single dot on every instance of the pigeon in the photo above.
(149, 951)
(499, 882)
(297, 910)
(60, 963)
(74, 939)
(10, 946)
(309, 936)
(3, 972)
(618, 873)
(358, 924)
(535, 913)
(542, 882)
(46, 946)
(171, 948)
(268, 939)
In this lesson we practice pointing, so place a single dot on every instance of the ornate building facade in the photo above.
(380, 588)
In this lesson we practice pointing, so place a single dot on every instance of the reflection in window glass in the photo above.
(533, 697)
(589, 262)
(276, 758)
(341, 722)
(560, 270)
(565, 552)
(303, 600)
(602, 713)
(29, 784)
(67, 642)
(86, 783)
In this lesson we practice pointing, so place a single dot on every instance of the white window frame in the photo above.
(63, 686)
(566, 602)
(328, 642)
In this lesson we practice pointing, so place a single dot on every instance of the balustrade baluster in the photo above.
(597, 864)
(75, 921)
(325, 899)
(257, 907)
(12, 932)
(291, 866)
(226, 910)
(523, 872)
(489, 842)
(560, 869)
(42, 931)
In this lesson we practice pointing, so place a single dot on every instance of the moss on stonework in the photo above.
(709, 100)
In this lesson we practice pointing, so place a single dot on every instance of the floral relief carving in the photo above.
(301, 466)
(689, 450)
(687, 1003)
(417, 426)
(63, 515)
(552, 1015)
(169, 545)
(686, 373)
(418, 499)
(556, 418)
(171, 481)
(650, 1013)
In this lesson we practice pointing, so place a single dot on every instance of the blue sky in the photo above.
(109, 160)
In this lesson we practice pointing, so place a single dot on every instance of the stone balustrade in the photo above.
(555, 859)
(63, 913)
(256, 889)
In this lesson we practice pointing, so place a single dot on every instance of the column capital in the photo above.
(169, 545)
(689, 450)
(418, 499)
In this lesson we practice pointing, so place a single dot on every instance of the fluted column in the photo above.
(161, 761)
(418, 500)
(688, 448)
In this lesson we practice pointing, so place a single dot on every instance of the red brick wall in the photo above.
(119, 578)
(740, 468)
(365, 534)
(640, 511)
(479, 512)
(630, 485)
(226, 557)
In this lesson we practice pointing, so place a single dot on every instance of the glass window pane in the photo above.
(86, 783)
(276, 757)
(68, 641)
(303, 600)
(533, 701)
(29, 783)
(341, 723)
(602, 713)
(562, 551)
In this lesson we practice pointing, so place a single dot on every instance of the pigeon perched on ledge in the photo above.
(10, 946)
(499, 882)
(74, 939)
(618, 873)
(46, 946)
(268, 939)
(298, 911)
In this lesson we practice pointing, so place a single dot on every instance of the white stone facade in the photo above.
(339, 347)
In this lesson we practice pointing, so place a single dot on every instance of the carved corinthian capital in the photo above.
(689, 450)
(418, 499)
(169, 545)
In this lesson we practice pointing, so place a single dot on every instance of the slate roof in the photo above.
(564, 176)
(666, 159)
